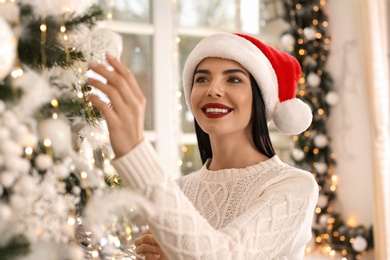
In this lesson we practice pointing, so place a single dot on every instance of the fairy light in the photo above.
(28, 151)
(71, 220)
(55, 115)
(54, 103)
(83, 175)
(47, 142)
(43, 27)
(17, 72)
(95, 254)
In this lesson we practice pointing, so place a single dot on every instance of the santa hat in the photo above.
(276, 73)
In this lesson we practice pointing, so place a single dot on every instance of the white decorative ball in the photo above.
(321, 167)
(76, 190)
(43, 162)
(11, 148)
(59, 133)
(309, 33)
(313, 80)
(322, 200)
(332, 98)
(103, 40)
(7, 179)
(321, 141)
(298, 154)
(62, 171)
(359, 244)
(324, 218)
(287, 40)
(8, 48)
(10, 119)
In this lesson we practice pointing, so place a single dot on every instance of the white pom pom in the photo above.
(43, 162)
(292, 116)
(313, 80)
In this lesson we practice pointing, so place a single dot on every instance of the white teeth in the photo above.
(217, 110)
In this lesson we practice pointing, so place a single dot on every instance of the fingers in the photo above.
(117, 84)
(146, 238)
(113, 95)
(126, 73)
(146, 249)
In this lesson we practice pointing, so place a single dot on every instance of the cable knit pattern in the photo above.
(262, 211)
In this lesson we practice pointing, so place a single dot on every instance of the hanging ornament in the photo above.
(59, 134)
(321, 167)
(332, 98)
(298, 154)
(104, 41)
(287, 40)
(324, 218)
(8, 48)
(309, 33)
(322, 200)
(313, 80)
(43, 162)
(320, 141)
(359, 244)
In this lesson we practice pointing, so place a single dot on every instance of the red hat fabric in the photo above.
(276, 73)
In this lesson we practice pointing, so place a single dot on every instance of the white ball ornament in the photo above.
(298, 154)
(322, 200)
(359, 244)
(321, 167)
(7, 179)
(58, 132)
(287, 40)
(309, 33)
(321, 141)
(8, 48)
(332, 98)
(104, 40)
(43, 162)
(313, 80)
(324, 219)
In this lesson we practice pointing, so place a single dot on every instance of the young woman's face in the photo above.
(221, 97)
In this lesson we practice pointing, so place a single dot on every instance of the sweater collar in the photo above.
(233, 173)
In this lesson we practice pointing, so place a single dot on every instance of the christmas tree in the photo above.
(54, 148)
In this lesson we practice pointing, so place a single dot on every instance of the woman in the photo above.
(244, 203)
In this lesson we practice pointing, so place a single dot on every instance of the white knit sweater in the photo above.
(262, 211)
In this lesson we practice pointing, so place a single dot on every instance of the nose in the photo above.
(215, 90)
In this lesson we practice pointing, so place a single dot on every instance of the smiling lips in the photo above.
(216, 110)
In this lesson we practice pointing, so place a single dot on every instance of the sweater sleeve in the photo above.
(277, 226)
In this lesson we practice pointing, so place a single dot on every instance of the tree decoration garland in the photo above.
(308, 40)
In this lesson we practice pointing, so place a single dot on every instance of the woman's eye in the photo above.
(201, 80)
(234, 80)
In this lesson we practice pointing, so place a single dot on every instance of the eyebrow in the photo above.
(224, 72)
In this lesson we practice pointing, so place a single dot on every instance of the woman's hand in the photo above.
(126, 112)
(147, 246)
